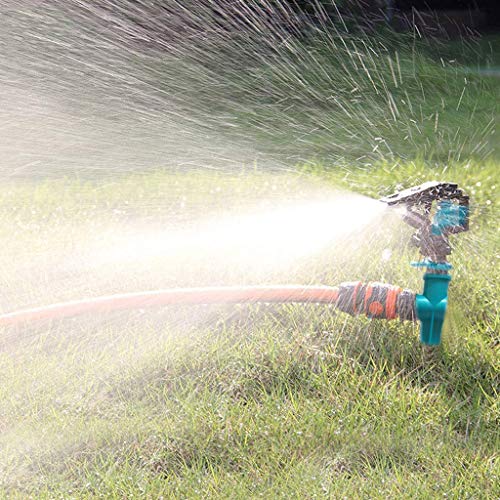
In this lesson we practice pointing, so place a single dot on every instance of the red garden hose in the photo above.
(377, 300)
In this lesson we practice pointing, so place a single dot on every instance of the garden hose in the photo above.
(376, 300)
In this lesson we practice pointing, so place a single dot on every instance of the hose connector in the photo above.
(376, 300)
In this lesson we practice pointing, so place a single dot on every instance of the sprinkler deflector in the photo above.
(434, 226)
(435, 209)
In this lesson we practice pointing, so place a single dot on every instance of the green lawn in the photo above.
(353, 99)
(251, 401)
(261, 401)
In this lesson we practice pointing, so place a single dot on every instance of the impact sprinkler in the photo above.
(450, 216)
(436, 210)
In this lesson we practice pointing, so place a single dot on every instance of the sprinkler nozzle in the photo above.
(450, 216)
(434, 225)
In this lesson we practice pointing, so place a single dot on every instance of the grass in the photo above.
(262, 401)
(354, 98)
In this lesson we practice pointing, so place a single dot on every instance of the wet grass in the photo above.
(267, 401)
(255, 401)
(361, 99)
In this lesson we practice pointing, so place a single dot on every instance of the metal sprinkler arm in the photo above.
(451, 216)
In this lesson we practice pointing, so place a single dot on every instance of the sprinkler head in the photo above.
(436, 210)
(434, 224)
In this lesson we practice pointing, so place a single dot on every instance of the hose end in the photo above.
(376, 300)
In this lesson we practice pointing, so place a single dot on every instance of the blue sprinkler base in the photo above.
(431, 307)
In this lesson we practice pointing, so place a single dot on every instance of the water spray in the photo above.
(435, 209)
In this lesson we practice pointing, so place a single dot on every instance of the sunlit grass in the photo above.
(292, 401)
(243, 401)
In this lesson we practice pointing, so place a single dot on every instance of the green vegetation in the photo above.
(354, 98)
(273, 401)
(286, 402)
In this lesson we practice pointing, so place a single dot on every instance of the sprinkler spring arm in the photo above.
(451, 216)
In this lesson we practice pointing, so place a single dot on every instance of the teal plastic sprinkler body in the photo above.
(451, 216)
(431, 307)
